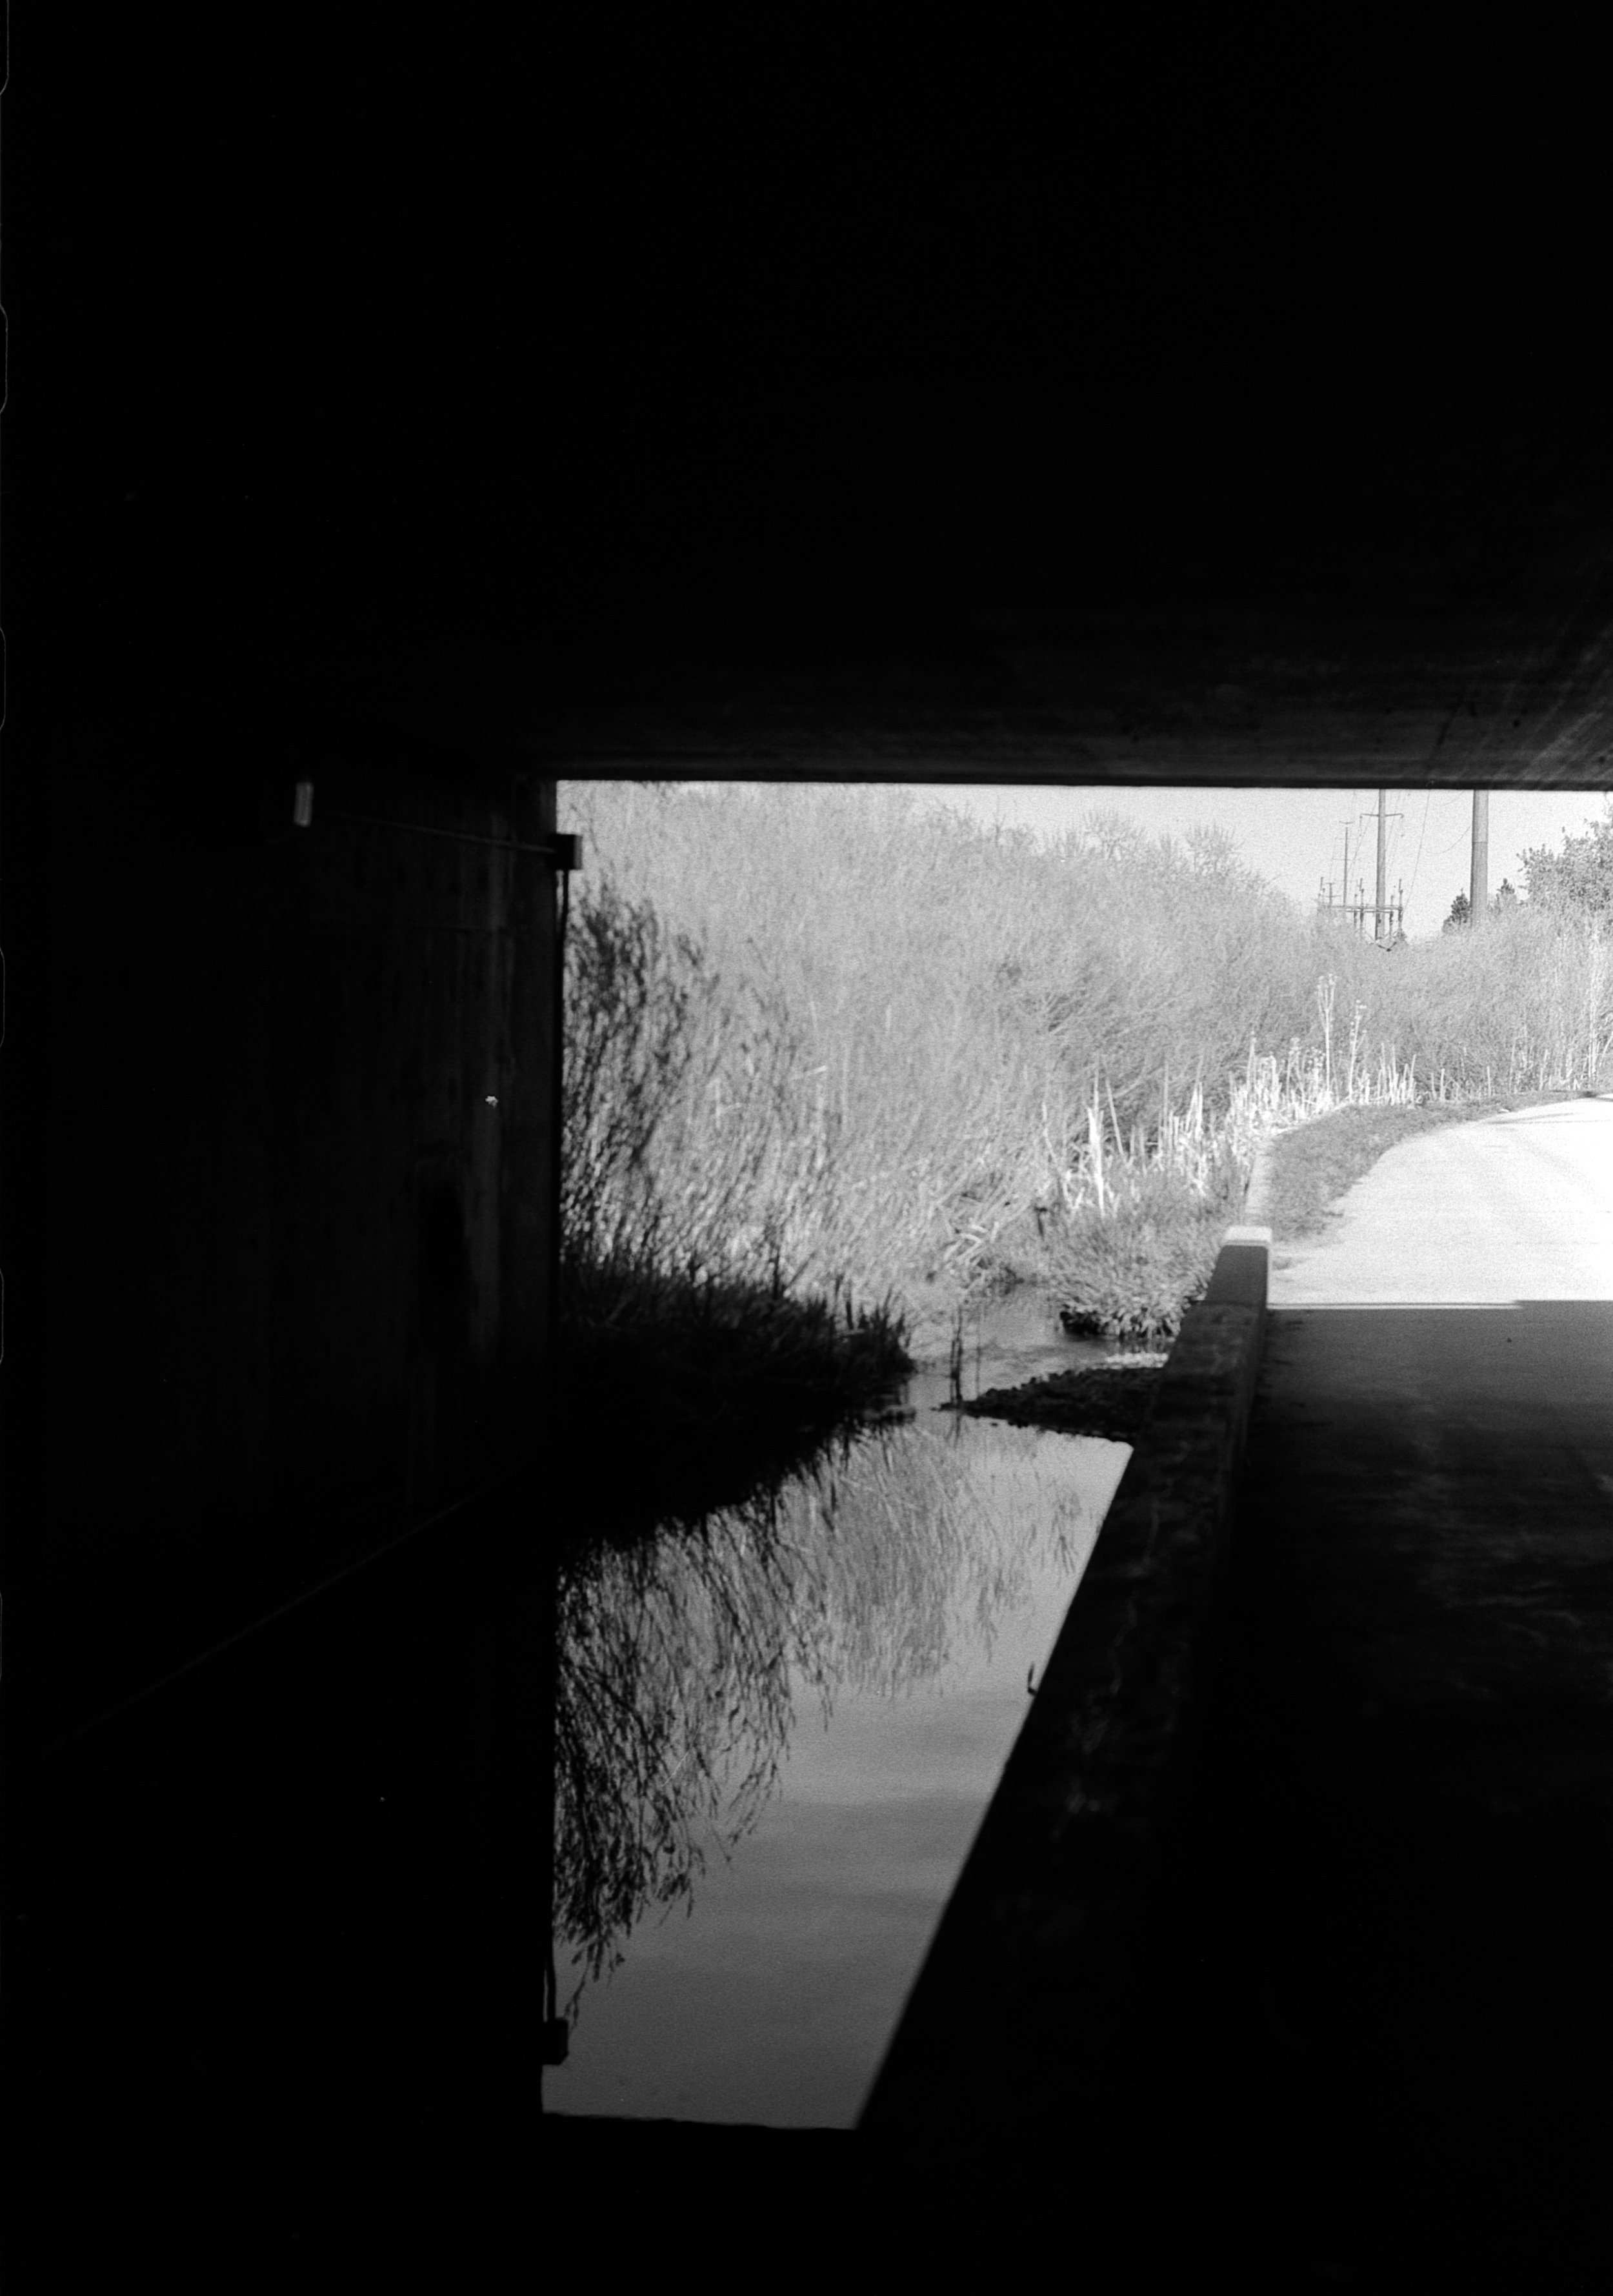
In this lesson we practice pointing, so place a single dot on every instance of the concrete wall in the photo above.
(299, 1183)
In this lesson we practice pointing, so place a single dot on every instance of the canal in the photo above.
(779, 1726)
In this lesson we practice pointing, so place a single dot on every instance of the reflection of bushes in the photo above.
(674, 1706)
(681, 1655)
(694, 1162)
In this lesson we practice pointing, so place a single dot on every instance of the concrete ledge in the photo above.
(1041, 1957)
(1257, 1202)
(1242, 1266)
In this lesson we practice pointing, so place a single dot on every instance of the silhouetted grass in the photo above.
(1112, 1400)
(675, 1384)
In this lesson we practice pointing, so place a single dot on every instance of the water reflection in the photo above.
(688, 1659)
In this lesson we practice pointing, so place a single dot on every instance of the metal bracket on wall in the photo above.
(564, 849)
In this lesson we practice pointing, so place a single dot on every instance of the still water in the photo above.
(779, 1729)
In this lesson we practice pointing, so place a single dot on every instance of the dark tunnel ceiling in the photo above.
(1230, 687)
(714, 453)
(1408, 605)
(981, 495)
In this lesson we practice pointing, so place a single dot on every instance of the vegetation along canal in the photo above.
(837, 1067)
(779, 1726)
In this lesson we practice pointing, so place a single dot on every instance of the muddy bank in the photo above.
(1111, 1400)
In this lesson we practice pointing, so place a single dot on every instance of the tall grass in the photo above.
(694, 1153)
(926, 1059)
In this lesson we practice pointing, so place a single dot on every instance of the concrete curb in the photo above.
(1050, 1911)
(1257, 1203)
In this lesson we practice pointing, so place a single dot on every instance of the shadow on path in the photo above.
(1389, 1933)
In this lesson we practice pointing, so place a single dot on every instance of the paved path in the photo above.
(1517, 1207)
(1403, 1893)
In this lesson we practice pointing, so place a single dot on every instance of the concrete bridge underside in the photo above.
(278, 1178)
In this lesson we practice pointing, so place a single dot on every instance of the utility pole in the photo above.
(1478, 881)
(1382, 927)
(1324, 898)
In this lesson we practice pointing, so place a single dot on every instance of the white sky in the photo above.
(1295, 838)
